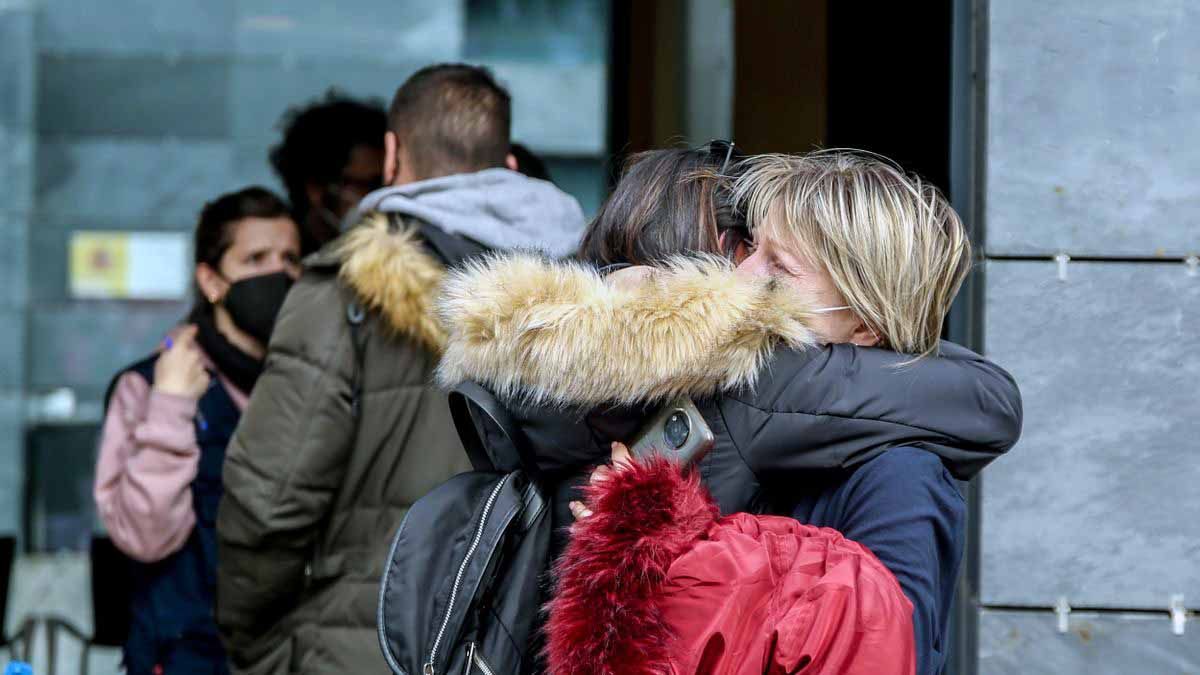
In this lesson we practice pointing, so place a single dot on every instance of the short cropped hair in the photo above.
(894, 247)
(451, 118)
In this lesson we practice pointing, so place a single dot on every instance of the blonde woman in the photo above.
(816, 360)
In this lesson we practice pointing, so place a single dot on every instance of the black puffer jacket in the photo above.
(580, 362)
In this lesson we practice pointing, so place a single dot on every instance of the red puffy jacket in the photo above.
(655, 581)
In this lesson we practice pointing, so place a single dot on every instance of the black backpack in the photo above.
(466, 576)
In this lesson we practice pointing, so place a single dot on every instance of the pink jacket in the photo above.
(148, 460)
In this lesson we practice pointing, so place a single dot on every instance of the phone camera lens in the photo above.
(677, 429)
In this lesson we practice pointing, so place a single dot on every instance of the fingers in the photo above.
(187, 358)
(600, 474)
(579, 510)
(621, 459)
(187, 336)
(196, 367)
(630, 278)
(184, 338)
(620, 455)
(181, 369)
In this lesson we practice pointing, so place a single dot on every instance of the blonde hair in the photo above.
(894, 247)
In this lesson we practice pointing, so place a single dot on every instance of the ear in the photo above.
(864, 335)
(511, 162)
(211, 283)
(734, 246)
(391, 157)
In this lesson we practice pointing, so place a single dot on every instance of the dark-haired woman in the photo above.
(169, 418)
(815, 412)
(668, 202)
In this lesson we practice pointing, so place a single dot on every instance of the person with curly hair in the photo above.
(329, 159)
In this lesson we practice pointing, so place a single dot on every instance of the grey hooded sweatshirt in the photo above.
(498, 208)
(333, 448)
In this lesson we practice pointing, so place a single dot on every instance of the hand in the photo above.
(621, 460)
(180, 368)
(629, 278)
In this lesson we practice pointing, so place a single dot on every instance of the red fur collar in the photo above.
(605, 618)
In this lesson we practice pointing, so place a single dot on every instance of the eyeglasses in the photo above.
(723, 150)
(351, 190)
(612, 267)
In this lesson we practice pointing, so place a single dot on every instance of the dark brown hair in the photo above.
(667, 202)
(318, 138)
(451, 118)
(215, 231)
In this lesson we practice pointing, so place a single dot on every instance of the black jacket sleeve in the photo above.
(841, 405)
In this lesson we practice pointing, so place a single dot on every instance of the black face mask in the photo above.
(254, 302)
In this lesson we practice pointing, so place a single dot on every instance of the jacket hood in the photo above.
(495, 207)
(557, 334)
(393, 274)
(578, 361)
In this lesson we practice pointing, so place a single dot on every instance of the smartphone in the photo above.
(677, 431)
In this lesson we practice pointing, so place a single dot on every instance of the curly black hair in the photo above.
(317, 140)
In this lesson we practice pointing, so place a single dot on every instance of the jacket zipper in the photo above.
(462, 569)
(474, 659)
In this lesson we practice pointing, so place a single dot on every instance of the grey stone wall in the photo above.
(17, 72)
(1028, 643)
(1092, 143)
(1098, 502)
(1093, 151)
(147, 109)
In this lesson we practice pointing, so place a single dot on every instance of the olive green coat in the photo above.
(312, 494)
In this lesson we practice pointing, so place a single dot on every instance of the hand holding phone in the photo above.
(677, 431)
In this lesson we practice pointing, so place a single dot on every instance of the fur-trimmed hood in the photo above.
(578, 360)
(392, 269)
(558, 334)
(392, 273)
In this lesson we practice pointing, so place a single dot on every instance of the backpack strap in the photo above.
(478, 417)
(449, 249)
(355, 315)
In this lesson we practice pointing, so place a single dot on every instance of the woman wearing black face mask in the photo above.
(169, 418)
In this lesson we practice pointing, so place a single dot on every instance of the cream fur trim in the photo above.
(393, 275)
(557, 333)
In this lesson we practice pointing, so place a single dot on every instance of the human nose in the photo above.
(754, 264)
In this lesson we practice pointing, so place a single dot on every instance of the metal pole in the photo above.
(968, 106)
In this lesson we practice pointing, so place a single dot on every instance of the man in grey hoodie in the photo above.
(345, 429)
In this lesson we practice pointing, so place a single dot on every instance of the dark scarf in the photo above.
(241, 368)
